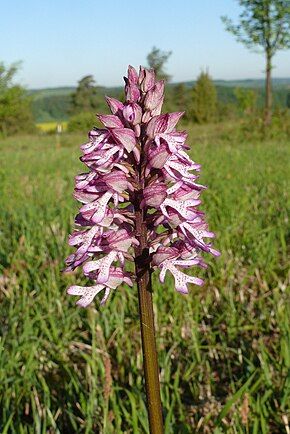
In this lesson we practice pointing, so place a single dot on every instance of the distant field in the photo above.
(48, 127)
(224, 348)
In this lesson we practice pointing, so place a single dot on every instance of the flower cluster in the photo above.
(137, 160)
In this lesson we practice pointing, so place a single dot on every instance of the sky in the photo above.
(61, 41)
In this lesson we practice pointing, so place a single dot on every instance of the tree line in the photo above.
(261, 23)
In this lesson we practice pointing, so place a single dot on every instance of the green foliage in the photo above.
(264, 23)
(156, 59)
(51, 91)
(54, 105)
(15, 106)
(288, 100)
(180, 96)
(223, 349)
(204, 101)
(51, 108)
(247, 99)
(85, 98)
(82, 122)
(253, 126)
(7, 75)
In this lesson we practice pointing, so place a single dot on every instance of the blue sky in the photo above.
(60, 41)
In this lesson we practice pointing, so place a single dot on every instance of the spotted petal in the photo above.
(87, 293)
(181, 279)
(103, 265)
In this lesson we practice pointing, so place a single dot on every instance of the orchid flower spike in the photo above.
(137, 161)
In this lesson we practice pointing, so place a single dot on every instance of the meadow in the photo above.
(224, 349)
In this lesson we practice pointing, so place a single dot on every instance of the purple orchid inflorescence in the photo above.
(137, 160)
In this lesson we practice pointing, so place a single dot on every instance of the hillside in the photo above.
(53, 104)
(251, 83)
(52, 91)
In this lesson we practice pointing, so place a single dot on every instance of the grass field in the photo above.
(224, 349)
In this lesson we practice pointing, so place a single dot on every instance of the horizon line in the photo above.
(168, 83)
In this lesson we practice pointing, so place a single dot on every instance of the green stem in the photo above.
(93, 386)
(151, 371)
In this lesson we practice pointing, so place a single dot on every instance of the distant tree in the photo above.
(85, 98)
(204, 99)
(288, 100)
(264, 23)
(180, 92)
(82, 122)
(15, 106)
(156, 59)
(7, 75)
(247, 99)
(179, 98)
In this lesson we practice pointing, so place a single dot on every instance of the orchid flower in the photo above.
(139, 202)
(137, 162)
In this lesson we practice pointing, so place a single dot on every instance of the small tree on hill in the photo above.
(15, 106)
(85, 98)
(156, 59)
(204, 99)
(264, 23)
